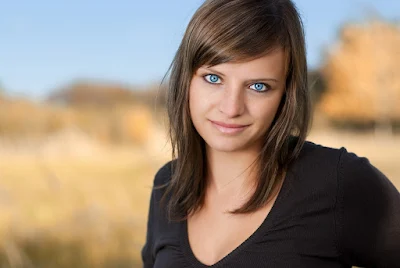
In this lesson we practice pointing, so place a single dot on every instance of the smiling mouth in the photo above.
(228, 128)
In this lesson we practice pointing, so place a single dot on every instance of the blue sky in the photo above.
(48, 44)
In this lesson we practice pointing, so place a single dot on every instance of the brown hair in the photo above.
(232, 31)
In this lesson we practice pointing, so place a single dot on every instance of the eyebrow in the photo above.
(247, 81)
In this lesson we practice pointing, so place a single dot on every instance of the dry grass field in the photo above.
(66, 204)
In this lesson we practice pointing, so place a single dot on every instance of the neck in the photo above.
(232, 173)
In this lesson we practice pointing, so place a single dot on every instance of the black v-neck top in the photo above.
(334, 210)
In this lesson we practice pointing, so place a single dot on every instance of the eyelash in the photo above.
(267, 87)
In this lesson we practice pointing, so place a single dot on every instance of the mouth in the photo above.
(228, 128)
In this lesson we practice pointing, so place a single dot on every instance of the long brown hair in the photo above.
(232, 31)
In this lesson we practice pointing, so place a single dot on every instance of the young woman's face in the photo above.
(232, 105)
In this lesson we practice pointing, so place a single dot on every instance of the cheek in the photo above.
(265, 112)
(196, 102)
(200, 100)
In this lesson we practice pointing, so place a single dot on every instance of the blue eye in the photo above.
(259, 87)
(212, 78)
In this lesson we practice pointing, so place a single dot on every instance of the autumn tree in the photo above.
(362, 75)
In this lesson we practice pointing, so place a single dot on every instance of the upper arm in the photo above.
(370, 214)
(147, 251)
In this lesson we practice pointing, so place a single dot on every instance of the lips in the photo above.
(228, 128)
(228, 125)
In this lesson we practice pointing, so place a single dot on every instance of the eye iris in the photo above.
(213, 78)
(258, 86)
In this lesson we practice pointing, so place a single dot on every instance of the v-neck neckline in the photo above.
(266, 223)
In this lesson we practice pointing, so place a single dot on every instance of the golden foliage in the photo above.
(363, 74)
(136, 124)
(23, 119)
(72, 211)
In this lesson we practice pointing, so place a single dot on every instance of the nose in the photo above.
(232, 103)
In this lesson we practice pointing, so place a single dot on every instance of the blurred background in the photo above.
(83, 126)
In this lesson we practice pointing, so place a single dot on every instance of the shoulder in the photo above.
(317, 158)
(347, 167)
(368, 211)
(354, 169)
(357, 178)
(314, 151)
(344, 161)
(333, 170)
(366, 203)
(163, 175)
(363, 185)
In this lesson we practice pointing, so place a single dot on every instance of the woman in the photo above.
(245, 189)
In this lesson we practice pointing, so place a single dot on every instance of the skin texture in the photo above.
(231, 97)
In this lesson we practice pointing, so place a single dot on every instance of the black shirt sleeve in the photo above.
(147, 256)
(369, 217)
(161, 179)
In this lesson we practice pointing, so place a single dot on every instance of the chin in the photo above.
(226, 146)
